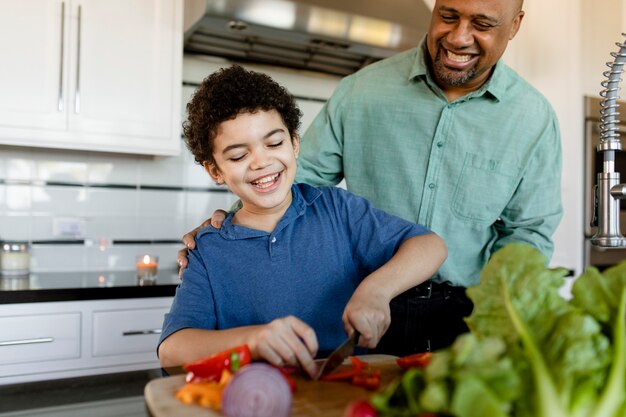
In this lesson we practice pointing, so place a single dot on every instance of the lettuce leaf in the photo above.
(604, 297)
(518, 299)
(529, 352)
(454, 379)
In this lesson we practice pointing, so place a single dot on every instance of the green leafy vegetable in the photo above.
(471, 367)
(605, 300)
(529, 352)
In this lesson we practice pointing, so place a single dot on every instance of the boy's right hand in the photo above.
(286, 341)
(189, 239)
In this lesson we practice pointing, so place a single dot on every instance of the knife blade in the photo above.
(337, 357)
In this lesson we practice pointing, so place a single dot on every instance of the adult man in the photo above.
(445, 135)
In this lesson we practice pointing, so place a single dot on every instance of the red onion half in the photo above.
(257, 390)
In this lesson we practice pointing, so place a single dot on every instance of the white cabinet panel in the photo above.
(127, 331)
(36, 338)
(126, 53)
(91, 74)
(33, 59)
(51, 340)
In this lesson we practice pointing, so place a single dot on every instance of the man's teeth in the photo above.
(458, 58)
(265, 181)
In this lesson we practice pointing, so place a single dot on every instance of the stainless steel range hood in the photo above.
(337, 37)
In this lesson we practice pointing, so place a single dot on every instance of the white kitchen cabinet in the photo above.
(35, 337)
(126, 331)
(99, 75)
(51, 340)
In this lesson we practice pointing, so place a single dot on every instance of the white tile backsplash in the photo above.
(15, 226)
(196, 175)
(203, 203)
(200, 206)
(115, 169)
(51, 258)
(15, 199)
(162, 171)
(162, 227)
(53, 200)
(59, 166)
(117, 199)
(111, 202)
(42, 228)
(121, 257)
(16, 164)
(161, 203)
(112, 227)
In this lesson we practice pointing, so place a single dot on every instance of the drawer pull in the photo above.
(61, 95)
(141, 332)
(27, 341)
(78, 38)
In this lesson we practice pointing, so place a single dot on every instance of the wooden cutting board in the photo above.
(311, 399)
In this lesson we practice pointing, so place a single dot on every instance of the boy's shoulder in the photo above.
(209, 232)
(206, 232)
(310, 192)
(327, 193)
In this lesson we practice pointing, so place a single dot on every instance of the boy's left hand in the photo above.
(368, 313)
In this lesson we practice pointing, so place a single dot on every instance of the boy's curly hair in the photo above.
(224, 95)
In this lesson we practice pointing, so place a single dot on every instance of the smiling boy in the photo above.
(256, 157)
(297, 267)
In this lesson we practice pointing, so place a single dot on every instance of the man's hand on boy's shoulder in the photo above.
(189, 239)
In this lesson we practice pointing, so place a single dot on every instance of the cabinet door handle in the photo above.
(60, 104)
(141, 332)
(27, 341)
(78, 36)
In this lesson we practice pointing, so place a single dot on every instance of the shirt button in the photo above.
(439, 144)
(431, 185)
(274, 239)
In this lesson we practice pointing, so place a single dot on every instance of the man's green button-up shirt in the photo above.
(481, 171)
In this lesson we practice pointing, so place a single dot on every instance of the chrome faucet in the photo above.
(608, 190)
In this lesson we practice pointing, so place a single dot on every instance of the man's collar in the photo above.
(419, 67)
(495, 85)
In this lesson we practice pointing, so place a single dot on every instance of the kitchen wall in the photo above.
(562, 49)
(95, 211)
(548, 52)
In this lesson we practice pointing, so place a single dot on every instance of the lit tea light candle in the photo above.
(147, 267)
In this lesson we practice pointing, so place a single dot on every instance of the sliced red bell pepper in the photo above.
(360, 408)
(287, 371)
(367, 380)
(346, 374)
(419, 360)
(210, 368)
(358, 363)
(358, 374)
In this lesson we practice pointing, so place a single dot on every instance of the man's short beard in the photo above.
(450, 77)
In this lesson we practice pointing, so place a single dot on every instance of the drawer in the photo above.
(33, 338)
(127, 331)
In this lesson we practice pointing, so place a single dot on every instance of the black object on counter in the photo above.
(77, 286)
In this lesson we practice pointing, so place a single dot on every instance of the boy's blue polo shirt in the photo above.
(308, 267)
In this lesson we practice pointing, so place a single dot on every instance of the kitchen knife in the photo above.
(337, 357)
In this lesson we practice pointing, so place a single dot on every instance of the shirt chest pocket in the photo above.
(484, 188)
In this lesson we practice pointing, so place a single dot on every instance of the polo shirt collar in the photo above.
(303, 195)
(495, 85)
